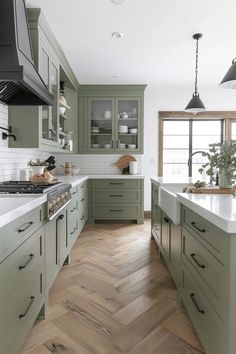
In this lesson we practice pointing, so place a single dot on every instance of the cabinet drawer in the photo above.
(82, 188)
(114, 211)
(208, 270)
(72, 207)
(209, 234)
(72, 230)
(116, 183)
(15, 233)
(21, 264)
(73, 192)
(114, 196)
(20, 310)
(206, 322)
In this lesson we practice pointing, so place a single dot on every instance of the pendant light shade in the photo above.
(229, 80)
(195, 105)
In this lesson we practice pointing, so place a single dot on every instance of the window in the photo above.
(179, 137)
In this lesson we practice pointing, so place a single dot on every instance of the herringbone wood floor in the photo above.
(115, 297)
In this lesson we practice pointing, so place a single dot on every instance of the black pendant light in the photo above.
(229, 80)
(195, 105)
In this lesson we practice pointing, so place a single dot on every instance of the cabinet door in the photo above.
(175, 252)
(165, 235)
(51, 251)
(49, 71)
(101, 124)
(127, 125)
(62, 237)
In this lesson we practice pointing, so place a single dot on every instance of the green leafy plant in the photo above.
(37, 162)
(222, 160)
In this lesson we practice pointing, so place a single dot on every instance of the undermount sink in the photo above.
(168, 201)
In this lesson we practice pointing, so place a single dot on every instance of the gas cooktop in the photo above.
(25, 187)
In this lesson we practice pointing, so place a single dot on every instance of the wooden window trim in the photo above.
(165, 115)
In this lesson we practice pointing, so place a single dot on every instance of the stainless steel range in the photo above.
(58, 194)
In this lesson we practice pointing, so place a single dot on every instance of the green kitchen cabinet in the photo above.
(167, 236)
(116, 199)
(155, 214)
(43, 126)
(111, 118)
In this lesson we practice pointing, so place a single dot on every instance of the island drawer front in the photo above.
(15, 233)
(114, 196)
(21, 264)
(20, 310)
(209, 234)
(207, 269)
(206, 322)
(116, 183)
(114, 211)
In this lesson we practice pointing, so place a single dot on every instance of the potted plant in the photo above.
(222, 160)
(37, 166)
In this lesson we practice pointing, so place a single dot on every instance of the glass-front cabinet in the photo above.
(112, 123)
(49, 71)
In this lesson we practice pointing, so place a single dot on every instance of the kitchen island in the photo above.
(206, 263)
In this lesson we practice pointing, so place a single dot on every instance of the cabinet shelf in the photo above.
(62, 104)
(63, 116)
(62, 133)
(102, 134)
(128, 134)
(102, 119)
(127, 118)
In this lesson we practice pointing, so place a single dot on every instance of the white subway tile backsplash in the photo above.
(12, 160)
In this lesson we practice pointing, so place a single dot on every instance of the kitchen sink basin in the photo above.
(168, 201)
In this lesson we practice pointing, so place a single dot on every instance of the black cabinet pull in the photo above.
(193, 255)
(21, 315)
(72, 210)
(196, 304)
(166, 219)
(116, 210)
(82, 199)
(82, 217)
(72, 233)
(116, 195)
(60, 217)
(196, 227)
(26, 227)
(118, 183)
(73, 193)
(31, 256)
(82, 186)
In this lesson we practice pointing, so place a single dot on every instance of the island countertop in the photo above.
(220, 209)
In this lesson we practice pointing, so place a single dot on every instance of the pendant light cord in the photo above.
(196, 68)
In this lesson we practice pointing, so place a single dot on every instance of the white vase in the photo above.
(224, 181)
(37, 169)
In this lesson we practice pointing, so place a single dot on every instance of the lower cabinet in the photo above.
(22, 290)
(116, 199)
(56, 249)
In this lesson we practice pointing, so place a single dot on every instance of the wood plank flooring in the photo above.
(115, 297)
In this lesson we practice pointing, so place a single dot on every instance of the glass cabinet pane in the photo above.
(55, 91)
(45, 122)
(128, 113)
(45, 67)
(101, 123)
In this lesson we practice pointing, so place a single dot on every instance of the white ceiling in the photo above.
(157, 47)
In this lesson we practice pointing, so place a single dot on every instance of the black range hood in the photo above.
(20, 83)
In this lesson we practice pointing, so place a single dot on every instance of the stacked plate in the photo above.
(95, 130)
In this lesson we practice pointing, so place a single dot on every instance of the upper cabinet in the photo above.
(111, 118)
(48, 127)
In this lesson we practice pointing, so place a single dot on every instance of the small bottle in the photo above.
(68, 168)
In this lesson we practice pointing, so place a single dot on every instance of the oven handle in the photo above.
(59, 210)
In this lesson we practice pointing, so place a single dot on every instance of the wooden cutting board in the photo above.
(124, 160)
(213, 191)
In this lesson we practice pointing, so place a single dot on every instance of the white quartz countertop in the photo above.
(75, 180)
(12, 207)
(220, 209)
